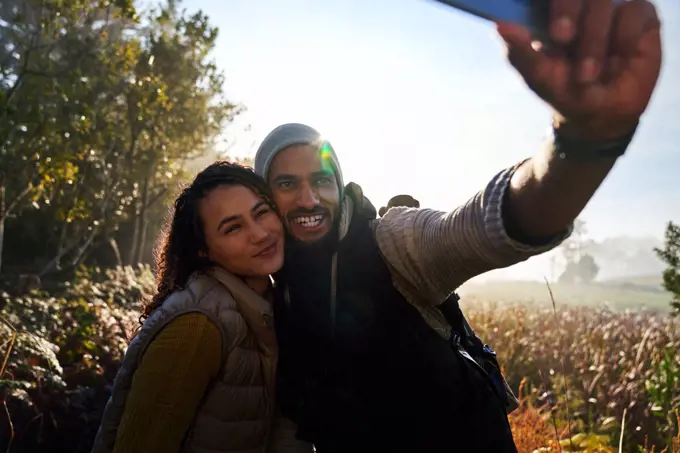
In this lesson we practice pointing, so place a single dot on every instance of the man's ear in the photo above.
(382, 211)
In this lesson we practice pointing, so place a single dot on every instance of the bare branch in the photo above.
(157, 196)
(12, 206)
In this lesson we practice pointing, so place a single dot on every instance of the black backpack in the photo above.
(470, 346)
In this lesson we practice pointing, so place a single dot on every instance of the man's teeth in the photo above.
(309, 221)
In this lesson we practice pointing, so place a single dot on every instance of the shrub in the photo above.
(595, 362)
(67, 351)
(670, 255)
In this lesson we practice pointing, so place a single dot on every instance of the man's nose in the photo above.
(308, 198)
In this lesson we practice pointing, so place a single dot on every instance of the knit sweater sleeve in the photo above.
(435, 252)
(171, 380)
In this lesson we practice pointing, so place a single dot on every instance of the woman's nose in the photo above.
(258, 233)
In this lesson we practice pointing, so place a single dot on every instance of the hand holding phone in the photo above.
(601, 64)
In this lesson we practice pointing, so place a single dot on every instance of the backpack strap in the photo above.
(450, 308)
(462, 336)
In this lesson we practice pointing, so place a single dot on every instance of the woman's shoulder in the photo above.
(192, 327)
(202, 293)
(204, 296)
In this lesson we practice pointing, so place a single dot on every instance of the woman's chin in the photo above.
(271, 265)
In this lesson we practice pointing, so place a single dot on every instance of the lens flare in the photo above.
(326, 152)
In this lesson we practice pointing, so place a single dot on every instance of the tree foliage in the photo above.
(584, 270)
(670, 255)
(100, 111)
(573, 247)
(579, 266)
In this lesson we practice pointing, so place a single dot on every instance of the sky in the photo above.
(418, 98)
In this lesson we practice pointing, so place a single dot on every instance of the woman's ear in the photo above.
(382, 211)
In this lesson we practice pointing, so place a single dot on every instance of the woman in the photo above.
(199, 375)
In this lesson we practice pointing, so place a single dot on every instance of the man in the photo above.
(365, 358)
(406, 201)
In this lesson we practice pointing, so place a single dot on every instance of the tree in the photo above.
(572, 248)
(101, 117)
(584, 270)
(44, 46)
(176, 108)
(670, 255)
(246, 161)
(579, 266)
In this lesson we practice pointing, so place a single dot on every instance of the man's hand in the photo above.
(602, 66)
(598, 75)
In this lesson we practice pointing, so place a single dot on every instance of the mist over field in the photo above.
(619, 258)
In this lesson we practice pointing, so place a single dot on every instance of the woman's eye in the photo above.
(323, 181)
(262, 212)
(231, 229)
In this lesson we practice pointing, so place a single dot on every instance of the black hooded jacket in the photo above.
(359, 368)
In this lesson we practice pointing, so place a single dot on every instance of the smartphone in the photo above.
(531, 14)
(534, 15)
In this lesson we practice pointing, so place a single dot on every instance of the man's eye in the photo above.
(262, 212)
(285, 184)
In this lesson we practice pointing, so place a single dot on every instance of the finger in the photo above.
(613, 64)
(647, 67)
(636, 44)
(611, 69)
(532, 64)
(514, 35)
(631, 21)
(564, 17)
(593, 39)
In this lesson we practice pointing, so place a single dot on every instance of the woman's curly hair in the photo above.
(178, 253)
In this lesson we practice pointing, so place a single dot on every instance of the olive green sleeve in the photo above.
(169, 384)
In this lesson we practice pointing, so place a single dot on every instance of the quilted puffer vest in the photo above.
(237, 412)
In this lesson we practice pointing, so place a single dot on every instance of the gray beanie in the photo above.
(288, 135)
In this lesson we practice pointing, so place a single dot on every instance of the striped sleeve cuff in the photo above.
(496, 232)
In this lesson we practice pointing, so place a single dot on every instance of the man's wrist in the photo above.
(581, 144)
(593, 131)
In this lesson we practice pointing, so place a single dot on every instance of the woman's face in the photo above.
(242, 233)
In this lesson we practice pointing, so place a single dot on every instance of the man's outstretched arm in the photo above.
(598, 89)
(599, 92)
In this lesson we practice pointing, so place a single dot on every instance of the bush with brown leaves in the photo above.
(580, 369)
(59, 354)
(589, 365)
